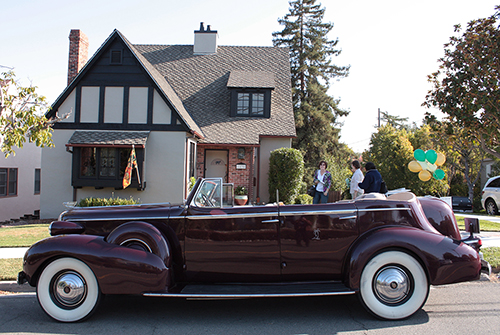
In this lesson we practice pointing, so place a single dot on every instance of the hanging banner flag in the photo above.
(132, 163)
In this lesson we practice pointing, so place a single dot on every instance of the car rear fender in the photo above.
(118, 269)
(444, 260)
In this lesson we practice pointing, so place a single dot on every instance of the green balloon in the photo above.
(419, 155)
(438, 174)
(431, 156)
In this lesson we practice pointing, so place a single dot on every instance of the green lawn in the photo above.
(23, 235)
(484, 225)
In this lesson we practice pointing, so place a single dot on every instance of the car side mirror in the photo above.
(472, 225)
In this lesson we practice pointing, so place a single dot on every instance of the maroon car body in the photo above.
(388, 250)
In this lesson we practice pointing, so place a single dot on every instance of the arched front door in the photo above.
(216, 164)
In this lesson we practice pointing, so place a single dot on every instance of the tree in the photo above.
(466, 157)
(391, 151)
(467, 85)
(21, 116)
(316, 113)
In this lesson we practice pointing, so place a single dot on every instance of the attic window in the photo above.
(116, 57)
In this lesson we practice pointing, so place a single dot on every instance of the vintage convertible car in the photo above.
(386, 250)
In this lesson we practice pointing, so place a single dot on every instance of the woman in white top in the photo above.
(357, 177)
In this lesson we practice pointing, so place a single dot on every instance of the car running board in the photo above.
(232, 291)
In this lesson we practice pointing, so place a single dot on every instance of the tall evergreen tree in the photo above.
(316, 113)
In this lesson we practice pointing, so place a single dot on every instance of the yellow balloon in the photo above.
(414, 166)
(424, 165)
(424, 175)
(441, 159)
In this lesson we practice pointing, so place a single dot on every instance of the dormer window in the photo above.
(116, 57)
(251, 93)
(250, 104)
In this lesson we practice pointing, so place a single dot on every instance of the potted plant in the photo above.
(240, 195)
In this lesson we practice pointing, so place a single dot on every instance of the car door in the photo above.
(315, 239)
(230, 244)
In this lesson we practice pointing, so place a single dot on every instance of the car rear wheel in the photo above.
(491, 207)
(393, 285)
(68, 290)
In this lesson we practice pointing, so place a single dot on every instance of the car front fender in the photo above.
(118, 269)
(445, 260)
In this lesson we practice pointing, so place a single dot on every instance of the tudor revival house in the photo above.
(199, 110)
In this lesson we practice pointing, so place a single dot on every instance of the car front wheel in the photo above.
(68, 290)
(491, 207)
(393, 285)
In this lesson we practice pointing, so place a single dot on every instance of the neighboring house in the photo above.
(20, 183)
(199, 110)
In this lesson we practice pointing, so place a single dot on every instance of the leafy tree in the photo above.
(316, 113)
(391, 151)
(21, 116)
(467, 155)
(286, 170)
(394, 120)
(467, 85)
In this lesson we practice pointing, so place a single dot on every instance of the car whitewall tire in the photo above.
(393, 285)
(68, 290)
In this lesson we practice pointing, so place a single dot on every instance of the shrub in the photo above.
(286, 170)
(303, 199)
(240, 190)
(94, 202)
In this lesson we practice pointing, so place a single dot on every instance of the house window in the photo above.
(8, 182)
(38, 173)
(103, 167)
(251, 103)
(192, 160)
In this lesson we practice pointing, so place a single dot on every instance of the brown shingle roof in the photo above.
(251, 79)
(201, 83)
(109, 137)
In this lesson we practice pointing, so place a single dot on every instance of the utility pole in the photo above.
(378, 118)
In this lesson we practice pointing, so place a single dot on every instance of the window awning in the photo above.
(117, 139)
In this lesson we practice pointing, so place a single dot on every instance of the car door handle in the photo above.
(271, 221)
(348, 217)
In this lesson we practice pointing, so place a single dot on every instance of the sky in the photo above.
(391, 45)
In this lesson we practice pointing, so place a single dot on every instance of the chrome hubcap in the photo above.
(391, 285)
(69, 289)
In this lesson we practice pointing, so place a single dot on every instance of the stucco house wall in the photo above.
(26, 202)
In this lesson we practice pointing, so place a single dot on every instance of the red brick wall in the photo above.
(239, 177)
(78, 53)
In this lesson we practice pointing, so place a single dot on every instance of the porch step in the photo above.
(271, 290)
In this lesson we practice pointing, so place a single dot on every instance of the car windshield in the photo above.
(209, 194)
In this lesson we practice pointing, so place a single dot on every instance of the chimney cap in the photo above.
(202, 29)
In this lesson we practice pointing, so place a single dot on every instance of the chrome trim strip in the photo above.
(236, 296)
(118, 218)
(237, 216)
(325, 212)
(383, 209)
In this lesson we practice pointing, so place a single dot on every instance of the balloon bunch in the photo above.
(426, 164)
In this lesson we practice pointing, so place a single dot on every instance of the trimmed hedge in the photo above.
(286, 170)
(94, 202)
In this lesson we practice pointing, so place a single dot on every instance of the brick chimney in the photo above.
(205, 41)
(78, 53)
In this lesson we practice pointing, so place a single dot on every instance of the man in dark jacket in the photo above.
(372, 180)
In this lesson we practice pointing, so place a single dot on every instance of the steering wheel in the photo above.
(207, 201)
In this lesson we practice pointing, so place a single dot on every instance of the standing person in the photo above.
(373, 179)
(357, 177)
(323, 180)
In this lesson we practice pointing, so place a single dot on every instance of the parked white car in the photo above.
(491, 195)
